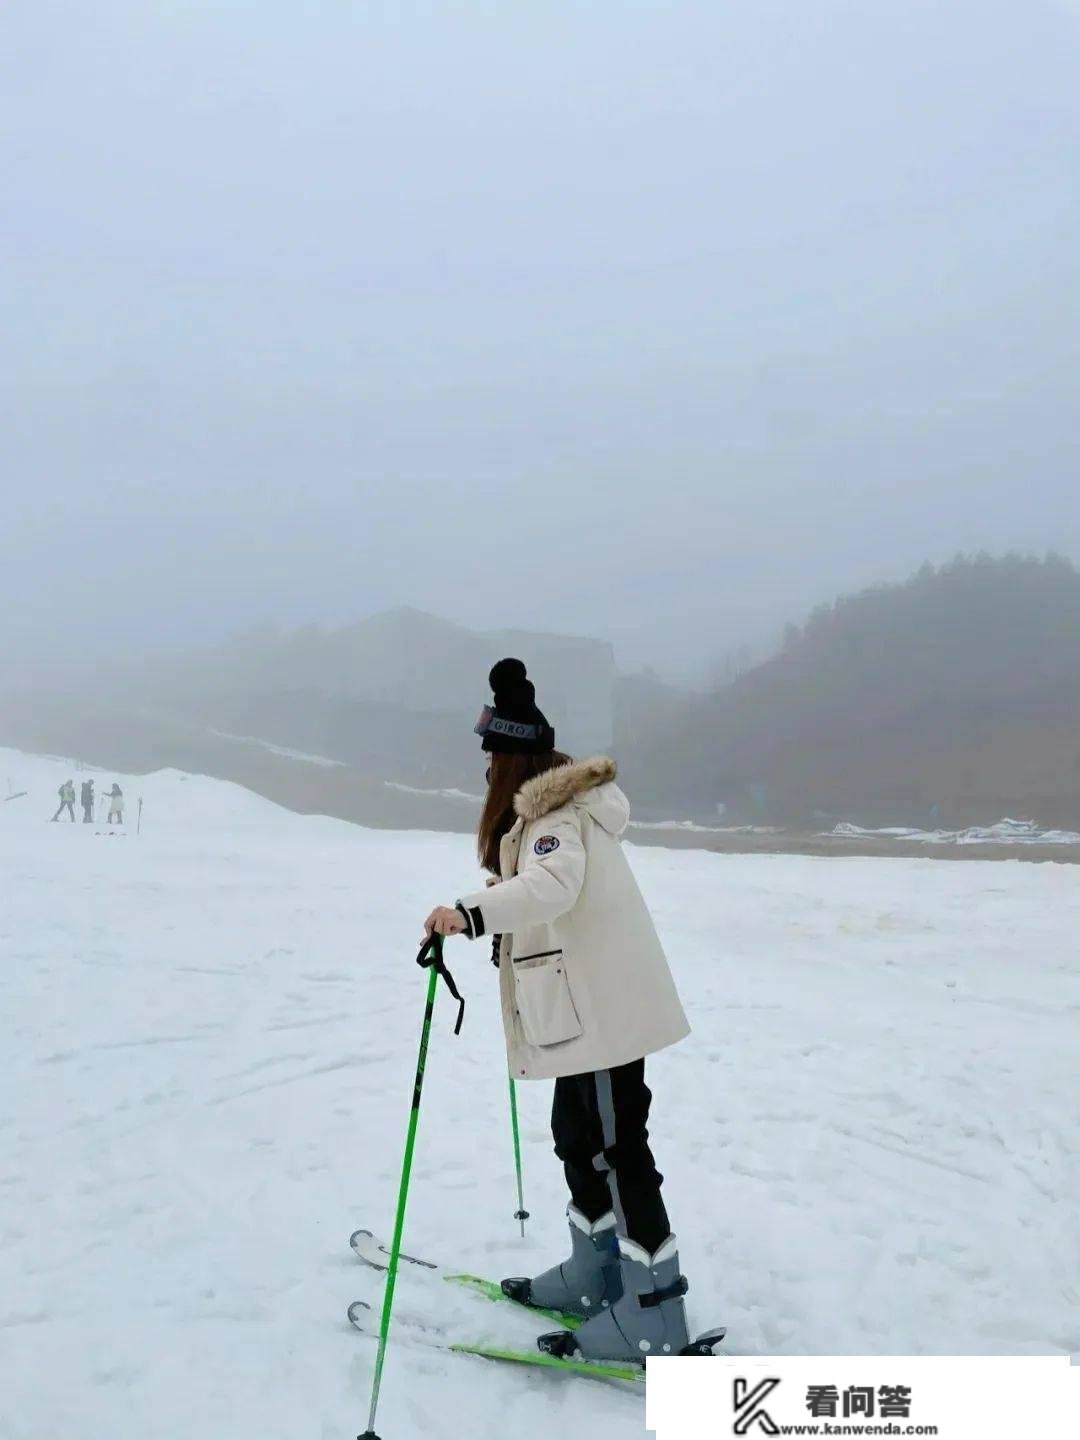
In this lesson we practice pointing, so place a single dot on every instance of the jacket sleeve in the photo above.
(549, 879)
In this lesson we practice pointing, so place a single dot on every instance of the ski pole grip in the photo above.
(431, 958)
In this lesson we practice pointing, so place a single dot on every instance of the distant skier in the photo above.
(67, 800)
(87, 796)
(586, 995)
(115, 797)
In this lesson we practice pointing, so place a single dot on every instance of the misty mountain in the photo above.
(391, 698)
(953, 697)
(394, 694)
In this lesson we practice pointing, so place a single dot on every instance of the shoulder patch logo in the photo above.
(546, 844)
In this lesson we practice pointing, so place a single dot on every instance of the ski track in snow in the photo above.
(870, 1139)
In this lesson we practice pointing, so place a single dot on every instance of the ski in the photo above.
(359, 1313)
(372, 1252)
(595, 1369)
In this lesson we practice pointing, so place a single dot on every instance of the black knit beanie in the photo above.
(514, 725)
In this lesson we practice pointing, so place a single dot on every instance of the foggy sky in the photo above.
(655, 321)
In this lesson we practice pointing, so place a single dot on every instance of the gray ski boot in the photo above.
(586, 1284)
(648, 1319)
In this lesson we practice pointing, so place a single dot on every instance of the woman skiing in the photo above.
(586, 994)
(116, 804)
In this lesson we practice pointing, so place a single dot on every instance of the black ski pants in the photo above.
(69, 806)
(599, 1124)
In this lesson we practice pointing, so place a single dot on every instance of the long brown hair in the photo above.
(507, 775)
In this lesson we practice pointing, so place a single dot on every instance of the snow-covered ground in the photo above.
(871, 1139)
(448, 792)
(1005, 832)
(282, 750)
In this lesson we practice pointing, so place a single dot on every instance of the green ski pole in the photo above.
(520, 1213)
(430, 957)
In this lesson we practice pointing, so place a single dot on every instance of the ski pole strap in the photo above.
(431, 958)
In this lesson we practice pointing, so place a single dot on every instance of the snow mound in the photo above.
(171, 798)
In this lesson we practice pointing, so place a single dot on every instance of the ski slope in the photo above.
(870, 1140)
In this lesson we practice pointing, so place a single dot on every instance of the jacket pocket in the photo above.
(543, 999)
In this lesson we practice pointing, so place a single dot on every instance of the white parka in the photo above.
(583, 978)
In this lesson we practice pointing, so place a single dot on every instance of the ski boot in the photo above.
(588, 1283)
(648, 1319)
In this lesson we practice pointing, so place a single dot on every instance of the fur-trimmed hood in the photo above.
(585, 781)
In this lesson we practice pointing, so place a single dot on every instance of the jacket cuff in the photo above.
(474, 920)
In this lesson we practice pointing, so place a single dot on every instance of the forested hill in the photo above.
(953, 697)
